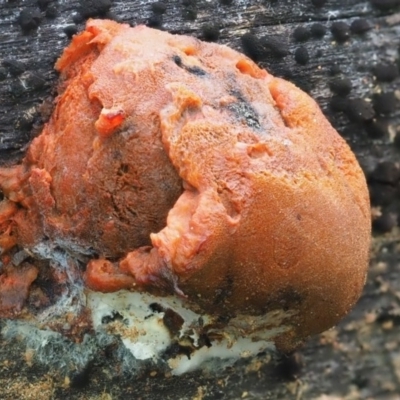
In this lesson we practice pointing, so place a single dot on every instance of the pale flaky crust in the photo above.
(215, 179)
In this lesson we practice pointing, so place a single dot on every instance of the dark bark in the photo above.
(361, 357)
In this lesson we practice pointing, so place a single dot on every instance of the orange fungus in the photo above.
(175, 166)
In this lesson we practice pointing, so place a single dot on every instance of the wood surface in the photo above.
(359, 359)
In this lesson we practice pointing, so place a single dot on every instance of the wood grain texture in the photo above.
(360, 358)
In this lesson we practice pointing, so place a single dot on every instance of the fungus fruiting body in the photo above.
(174, 167)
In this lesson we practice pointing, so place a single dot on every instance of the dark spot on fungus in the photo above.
(195, 70)
(243, 110)
(288, 297)
(177, 60)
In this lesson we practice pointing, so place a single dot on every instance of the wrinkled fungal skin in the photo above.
(180, 166)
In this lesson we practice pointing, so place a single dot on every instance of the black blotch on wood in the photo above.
(386, 72)
(340, 31)
(340, 86)
(252, 47)
(29, 20)
(289, 367)
(173, 321)
(301, 34)
(81, 377)
(384, 223)
(385, 5)
(70, 30)
(338, 104)
(334, 69)
(386, 172)
(301, 55)
(158, 7)
(318, 3)
(359, 110)
(14, 67)
(210, 32)
(51, 11)
(155, 21)
(385, 103)
(318, 30)
(94, 8)
(360, 26)
(43, 4)
(189, 10)
(274, 46)
(377, 129)
(396, 140)
(381, 194)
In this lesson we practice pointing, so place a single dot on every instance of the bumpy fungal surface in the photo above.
(174, 166)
